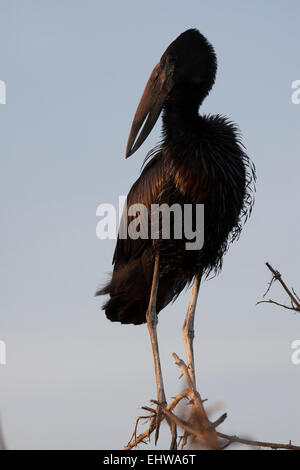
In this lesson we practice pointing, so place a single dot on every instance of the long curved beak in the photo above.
(157, 89)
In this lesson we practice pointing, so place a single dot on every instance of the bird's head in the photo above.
(188, 62)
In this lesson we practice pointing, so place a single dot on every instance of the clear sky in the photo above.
(74, 72)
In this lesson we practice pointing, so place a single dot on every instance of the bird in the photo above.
(200, 161)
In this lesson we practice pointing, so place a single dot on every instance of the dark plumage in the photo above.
(199, 160)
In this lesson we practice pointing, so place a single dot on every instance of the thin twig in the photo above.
(295, 301)
(276, 303)
(139, 418)
(249, 442)
(149, 431)
(278, 277)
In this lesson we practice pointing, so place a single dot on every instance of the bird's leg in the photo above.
(188, 327)
(151, 317)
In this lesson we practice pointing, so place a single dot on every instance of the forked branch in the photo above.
(295, 301)
(198, 426)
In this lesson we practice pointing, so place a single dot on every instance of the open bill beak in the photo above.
(157, 89)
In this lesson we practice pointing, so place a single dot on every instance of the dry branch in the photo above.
(295, 301)
(252, 443)
(141, 437)
(198, 426)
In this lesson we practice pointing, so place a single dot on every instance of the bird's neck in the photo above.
(180, 114)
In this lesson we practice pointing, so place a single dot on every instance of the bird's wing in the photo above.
(146, 190)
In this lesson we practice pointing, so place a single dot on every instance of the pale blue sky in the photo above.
(74, 72)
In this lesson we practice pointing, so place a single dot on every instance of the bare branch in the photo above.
(198, 426)
(249, 442)
(295, 301)
(275, 303)
(146, 434)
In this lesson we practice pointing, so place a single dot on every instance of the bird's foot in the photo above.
(158, 420)
(161, 399)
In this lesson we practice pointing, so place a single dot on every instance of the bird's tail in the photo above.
(129, 294)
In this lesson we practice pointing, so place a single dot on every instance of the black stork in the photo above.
(200, 160)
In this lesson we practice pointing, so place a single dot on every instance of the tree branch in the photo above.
(198, 425)
(140, 438)
(249, 442)
(295, 301)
